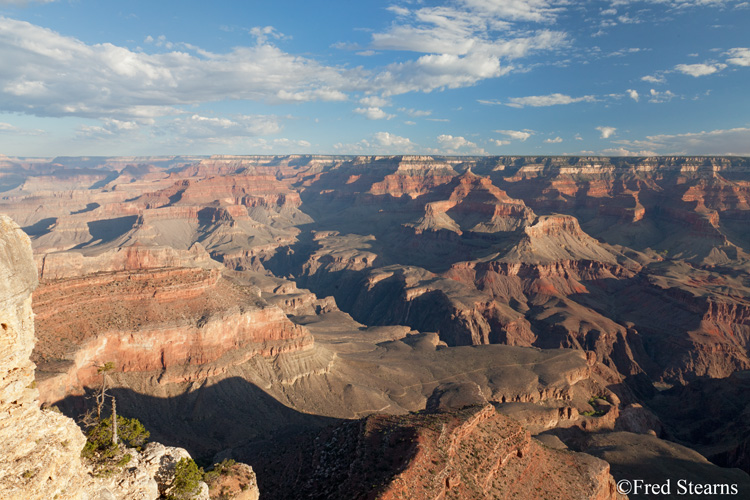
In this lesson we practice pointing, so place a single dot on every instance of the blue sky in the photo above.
(501, 77)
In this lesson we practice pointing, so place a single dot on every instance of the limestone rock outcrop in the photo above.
(40, 458)
(41, 452)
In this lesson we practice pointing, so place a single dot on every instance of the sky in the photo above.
(448, 77)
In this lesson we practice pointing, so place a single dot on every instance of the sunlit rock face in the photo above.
(41, 449)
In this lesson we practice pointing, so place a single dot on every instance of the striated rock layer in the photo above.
(41, 454)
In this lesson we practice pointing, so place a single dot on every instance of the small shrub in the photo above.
(108, 458)
(125, 460)
(225, 466)
(187, 476)
(132, 432)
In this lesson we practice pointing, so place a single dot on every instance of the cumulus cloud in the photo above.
(518, 10)
(606, 132)
(382, 142)
(49, 74)
(658, 78)
(462, 30)
(373, 113)
(739, 56)
(659, 97)
(547, 100)
(518, 135)
(556, 140)
(387, 139)
(456, 145)
(702, 69)
(633, 94)
(437, 71)
(735, 141)
(288, 144)
(459, 49)
(224, 130)
(7, 128)
(416, 113)
(677, 4)
(499, 142)
(626, 152)
(463, 42)
(374, 101)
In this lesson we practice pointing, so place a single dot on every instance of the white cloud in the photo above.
(463, 43)
(416, 113)
(739, 56)
(658, 78)
(547, 100)
(387, 139)
(517, 10)
(659, 97)
(437, 71)
(224, 130)
(734, 141)
(381, 142)
(677, 4)
(625, 152)
(373, 113)
(287, 144)
(499, 142)
(489, 102)
(518, 135)
(697, 70)
(453, 145)
(556, 140)
(606, 132)
(633, 94)
(7, 128)
(263, 33)
(374, 101)
(115, 82)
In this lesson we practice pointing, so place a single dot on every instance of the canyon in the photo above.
(299, 313)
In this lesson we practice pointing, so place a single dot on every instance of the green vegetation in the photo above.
(595, 413)
(105, 456)
(223, 468)
(187, 476)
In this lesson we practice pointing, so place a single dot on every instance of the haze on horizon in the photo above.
(451, 77)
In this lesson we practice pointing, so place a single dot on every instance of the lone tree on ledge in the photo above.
(101, 398)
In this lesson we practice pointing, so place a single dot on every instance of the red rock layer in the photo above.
(147, 321)
(463, 455)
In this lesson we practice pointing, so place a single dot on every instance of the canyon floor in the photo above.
(405, 326)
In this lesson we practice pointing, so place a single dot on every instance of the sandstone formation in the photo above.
(289, 292)
(41, 457)
(466, 454)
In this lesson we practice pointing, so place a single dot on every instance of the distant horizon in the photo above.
(334, 155)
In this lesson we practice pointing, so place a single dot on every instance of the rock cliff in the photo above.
(40, 458)
(463, 454)
(41, 455)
